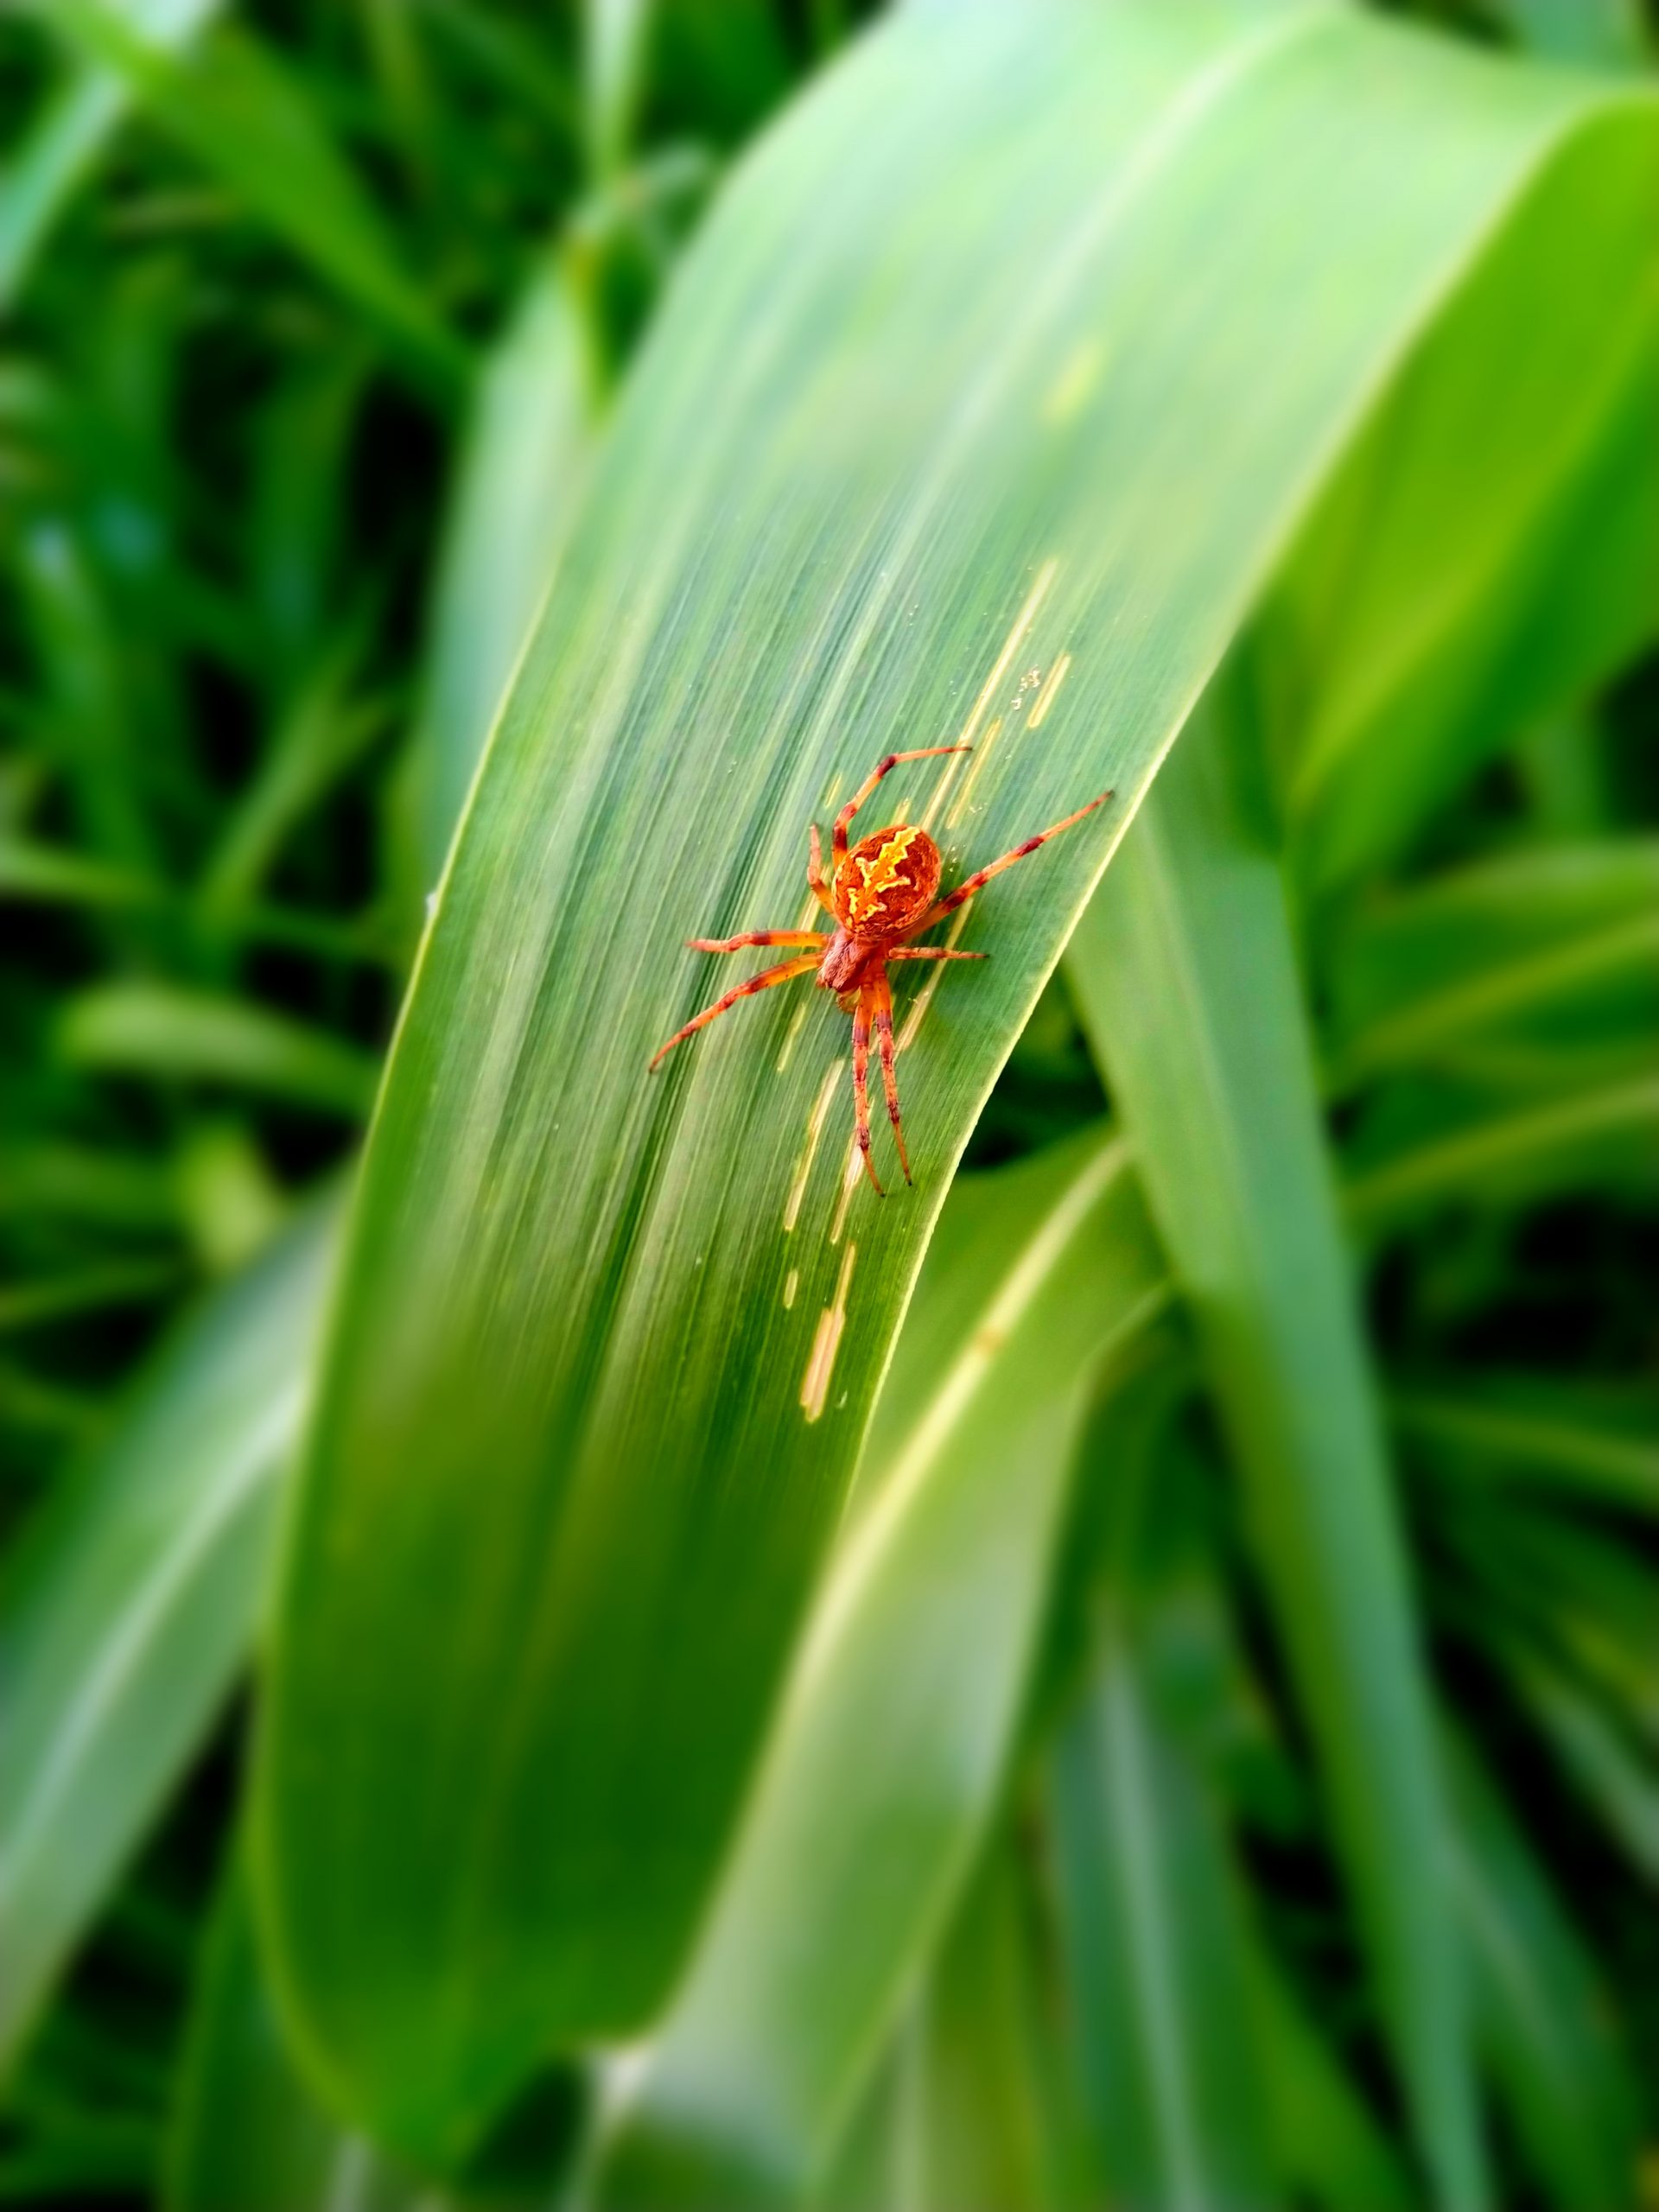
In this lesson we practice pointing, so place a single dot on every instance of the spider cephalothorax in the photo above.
(882, 892)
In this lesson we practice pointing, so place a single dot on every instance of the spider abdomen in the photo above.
(887, 883)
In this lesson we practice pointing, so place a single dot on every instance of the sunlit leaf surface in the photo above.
(925, 446)
(892, 1737)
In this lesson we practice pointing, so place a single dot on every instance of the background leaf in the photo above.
(229, 101)
(124, 1619)
(1185, 970)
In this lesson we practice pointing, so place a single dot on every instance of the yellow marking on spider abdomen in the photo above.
(885, 875)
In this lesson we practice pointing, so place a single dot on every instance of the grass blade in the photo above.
(1596, 1444)
(1156, 1960)
(1541, 2017)
(64, 142)
(983, 2131)
(534, 414)
(1326, 2138)
(247, 2132)
(164, 1029)
(236, 109)
(125, 1615)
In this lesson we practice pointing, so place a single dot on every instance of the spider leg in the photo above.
(756, 936)
(965, 891)
(763, 981)
(933, 952)
(838, 838)
(861, 1084)
(815, 883)
(883, 996)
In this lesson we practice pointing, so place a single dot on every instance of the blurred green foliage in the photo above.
(313, 316)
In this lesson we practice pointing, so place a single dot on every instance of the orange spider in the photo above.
(882, 892)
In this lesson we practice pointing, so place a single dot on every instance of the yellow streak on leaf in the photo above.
(1050, 691)
(1076, 385)
(942, 788)
(814, 1130)
(794, 1030)
(826, 1342)
(852, 1175)
(980, 758)
(925, 996)
(1004, 661)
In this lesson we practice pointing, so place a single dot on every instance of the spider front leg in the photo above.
(977, 882)
(881, 993)
(838, 838)
(861, 1084)
(763, 981)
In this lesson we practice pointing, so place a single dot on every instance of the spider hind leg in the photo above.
(862, 1085)
(763, 981)
(883, 995)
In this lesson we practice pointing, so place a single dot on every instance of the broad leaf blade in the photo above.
(566, 1402)
(891, 1737)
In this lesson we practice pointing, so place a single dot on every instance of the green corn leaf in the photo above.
(61, 148)
(1606, 1766)
(1597, 1444)
(1488, 553)
(232, 104)
(1601, 33)
(1325, 2136)
(1568, 933)
(614, 37)
(162, 1029)
(892, 1737)
(1198, 1723)
(1155, 1961)
(1185, 973)
(1542, 2019)
(1451, 1149)
(246, 2130)
(981, 2129)
(565, 1400)
(123, 1617)
(535, 407)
